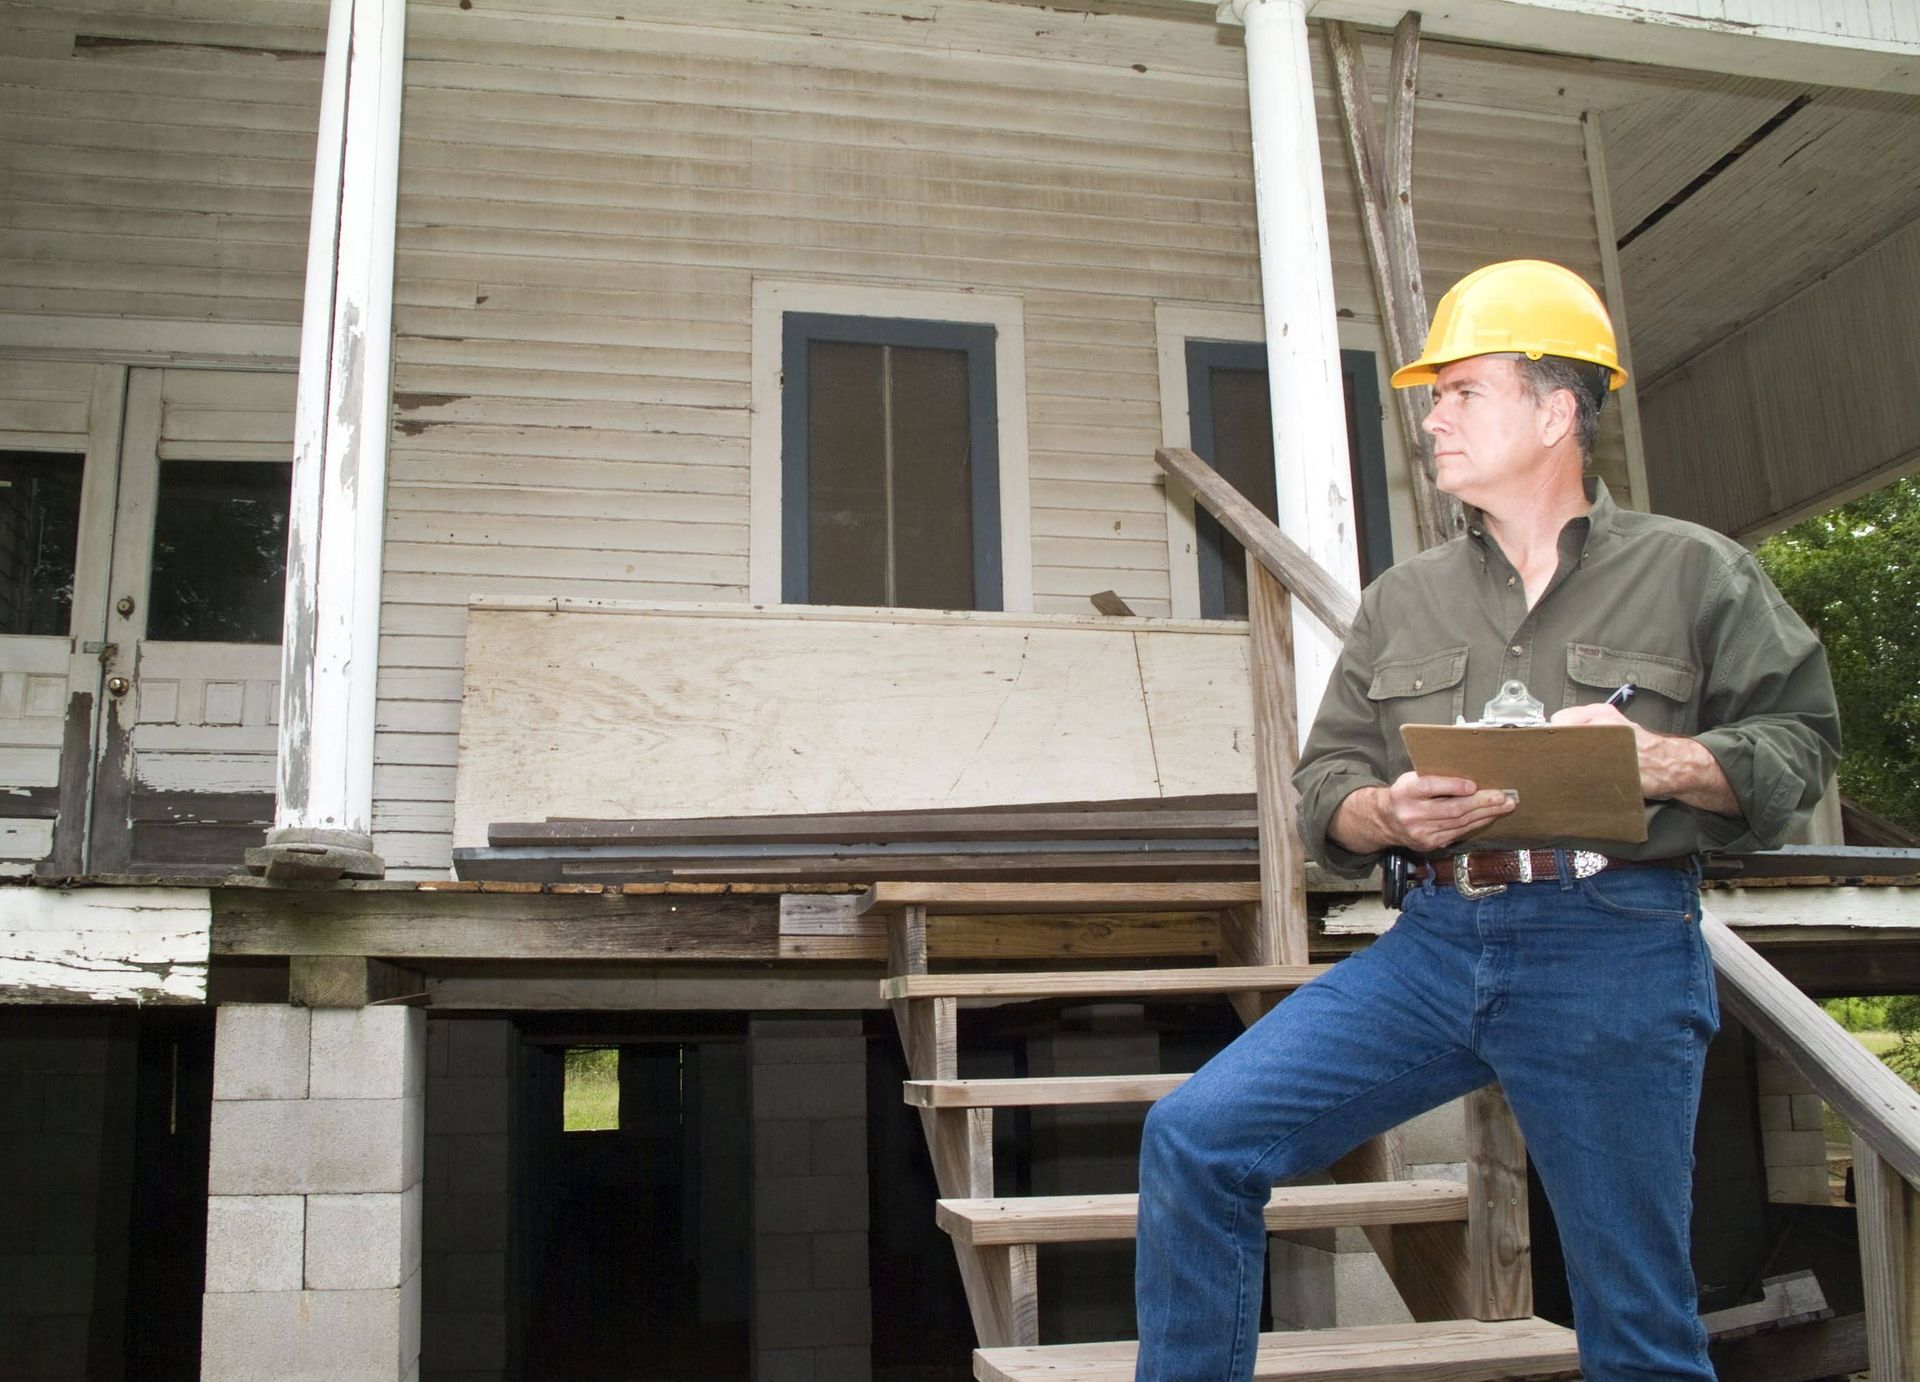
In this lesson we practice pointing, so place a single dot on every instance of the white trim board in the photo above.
(773, 298)
(143, 341)
(104, 945)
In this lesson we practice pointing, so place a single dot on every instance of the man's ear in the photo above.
(1558, 416)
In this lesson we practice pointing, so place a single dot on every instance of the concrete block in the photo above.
(74, 1103)
(810, 1204)
(847, 1364)
(368, 1053)
(479, 1165)
(839, 1261)
(314, 1146)
(1790, 1148)
(458, 1107)
(810, 1091)
(1808, 1113)
(459, 1283)
(784, 1365)
(439, 1057)
(53, 1163)
(777, 1026)
(260, 1051)
(1775, 1076)
(1438, 1170)
(47, 1284)
(839, 1146)
(465, 1342)
(362, 1242)
(466, 1223)
(314, 1336)
(56, 1348)
(64, 1223)
(255, 1242)
(815, 1050)
(813, 1319)
(782, 1147)
(22, 1095)
(1776, 1112)
(1438, 1135)
(1798, 1185)
(1364, 1293)
(783, 1261)
(481, 1047)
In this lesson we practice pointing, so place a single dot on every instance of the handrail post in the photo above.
(1889, 1273)
(1283, 878)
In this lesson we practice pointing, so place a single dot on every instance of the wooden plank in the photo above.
(1877, 1104)
(1096, 983)
(103, 945)
(1889, 1273)
(986, 899)
(825, 926)
(1830, 1348)
(1040, 1091)
(1456, 1351)
(1499, 1248)
(1282, 918)
(773, 713)
(1098, 1218)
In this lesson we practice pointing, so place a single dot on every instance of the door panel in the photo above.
(186, 775)
(59, 426)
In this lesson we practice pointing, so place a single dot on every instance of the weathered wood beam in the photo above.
(1498, 1242)
(1889, 1275)
(1304, 578)
(1384, 183)
(350, 981)
(1280, 935)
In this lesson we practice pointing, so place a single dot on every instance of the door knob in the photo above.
(125, 605)
(118, 686)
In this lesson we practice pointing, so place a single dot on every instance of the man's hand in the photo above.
(1419, 813)
(1672, 766)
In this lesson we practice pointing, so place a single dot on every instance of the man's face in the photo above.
(1487, 428)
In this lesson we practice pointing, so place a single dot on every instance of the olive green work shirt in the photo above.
(1680, 611)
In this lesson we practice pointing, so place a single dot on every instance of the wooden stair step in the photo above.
(1046, 1090)
(1449, 1351)
(1104, 1218)
(986, 899)
(1101, 983)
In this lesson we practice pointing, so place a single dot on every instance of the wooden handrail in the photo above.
(1305, 579)
(1877, 1104)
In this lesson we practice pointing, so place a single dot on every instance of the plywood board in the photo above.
(638, 713)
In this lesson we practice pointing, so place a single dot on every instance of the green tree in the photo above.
(1854, 575)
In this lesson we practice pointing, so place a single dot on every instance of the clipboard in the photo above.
(1573, 781)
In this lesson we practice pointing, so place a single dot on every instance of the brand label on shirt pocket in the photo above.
(1665, 684)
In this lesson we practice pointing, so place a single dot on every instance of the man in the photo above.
(1586, 992)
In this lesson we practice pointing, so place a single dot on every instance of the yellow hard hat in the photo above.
(1520, 306)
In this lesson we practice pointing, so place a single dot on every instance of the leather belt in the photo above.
(1482, 873)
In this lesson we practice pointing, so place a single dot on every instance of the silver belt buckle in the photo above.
(1463, 882)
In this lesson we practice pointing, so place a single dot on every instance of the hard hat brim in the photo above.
(1425, 371)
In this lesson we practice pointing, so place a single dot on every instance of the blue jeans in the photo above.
(1590, 1001)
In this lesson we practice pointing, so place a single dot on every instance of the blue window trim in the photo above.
(1366, 445)
(798, 330)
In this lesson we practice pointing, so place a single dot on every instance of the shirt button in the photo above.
(1516, 650)
(1418, 684)
(1510, 580)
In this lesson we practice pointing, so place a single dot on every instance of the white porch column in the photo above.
(1313, 476)
(330, 649)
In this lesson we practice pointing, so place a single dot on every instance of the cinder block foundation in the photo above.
(314, 1209)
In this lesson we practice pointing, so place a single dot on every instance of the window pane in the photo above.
(846, 474)
(890, 485)
(220, 551)
(1243, 453)
(590, 1097)
(39, 531)
(932, 480)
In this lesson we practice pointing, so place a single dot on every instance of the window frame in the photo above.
(979, 342)
(773, 298)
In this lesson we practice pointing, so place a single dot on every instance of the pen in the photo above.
(1622, 698)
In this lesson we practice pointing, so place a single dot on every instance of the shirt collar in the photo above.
(1598, 519)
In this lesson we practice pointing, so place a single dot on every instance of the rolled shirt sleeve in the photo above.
(1774, 725)
(1345, 751)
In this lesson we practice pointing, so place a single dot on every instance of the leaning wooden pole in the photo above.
(1384, 181)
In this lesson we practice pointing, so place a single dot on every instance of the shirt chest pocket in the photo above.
(1424, 690)
(1664, 686)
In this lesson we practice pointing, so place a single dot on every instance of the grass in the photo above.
(591, 1100)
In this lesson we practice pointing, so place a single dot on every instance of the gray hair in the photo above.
(1586, 382)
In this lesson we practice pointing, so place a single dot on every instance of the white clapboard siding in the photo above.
(573, 349)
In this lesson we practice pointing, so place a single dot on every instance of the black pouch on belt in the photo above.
(1396, 877)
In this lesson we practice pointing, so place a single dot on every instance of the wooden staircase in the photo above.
(996, 1240)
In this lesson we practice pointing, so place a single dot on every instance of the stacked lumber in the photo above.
(1169, 839)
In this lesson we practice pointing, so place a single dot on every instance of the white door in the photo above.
(59, 442)
(184, 782)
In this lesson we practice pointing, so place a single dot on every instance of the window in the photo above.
(1232, 429)
(39, 535)
(220, 551)
(590, 1096)
(890, 476)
